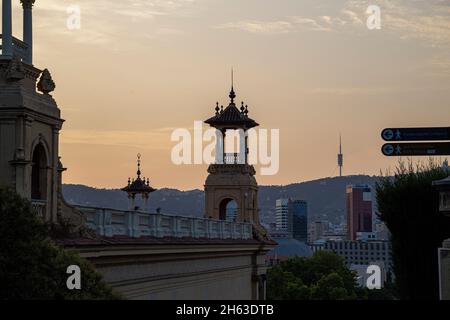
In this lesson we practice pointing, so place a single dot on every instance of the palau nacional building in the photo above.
(140, 254)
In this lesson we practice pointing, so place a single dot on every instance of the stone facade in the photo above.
(232, 182)
(30, 122)
(182, 269)
(142, 255)
(29, 137)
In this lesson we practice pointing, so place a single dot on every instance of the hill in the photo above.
(325, 197)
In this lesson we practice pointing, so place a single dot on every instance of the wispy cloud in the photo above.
(260, 27)
(104, 21)
(427, 21)
(325, 23)
(155, 139)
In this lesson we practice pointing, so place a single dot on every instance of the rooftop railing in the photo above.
(234, 158)
(135, 224)
(20, 48)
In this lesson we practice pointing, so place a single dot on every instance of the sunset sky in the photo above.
(137, 70)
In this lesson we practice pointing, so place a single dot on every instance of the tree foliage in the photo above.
(324, 276)
(32, 266)
(408, 204)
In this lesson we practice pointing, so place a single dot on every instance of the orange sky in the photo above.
(136, 70)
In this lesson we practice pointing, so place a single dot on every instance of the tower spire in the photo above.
(139, 165)
(232, 93)
(340, 156)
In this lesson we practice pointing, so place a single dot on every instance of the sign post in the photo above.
(397, 136)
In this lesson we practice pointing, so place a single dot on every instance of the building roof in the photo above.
(231, 117)
(139, 185)
(290, 247)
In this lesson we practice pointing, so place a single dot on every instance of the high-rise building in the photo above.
(299, 209)
(359, 210)
(282, 215)
(317, 231)
(360, 253)
(292, 217)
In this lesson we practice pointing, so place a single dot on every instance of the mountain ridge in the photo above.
(325, 197)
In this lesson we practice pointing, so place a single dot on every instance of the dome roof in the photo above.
(231, 117)
(290, 247)
(138, 186)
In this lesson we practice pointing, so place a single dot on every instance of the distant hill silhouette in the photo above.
(325, 197)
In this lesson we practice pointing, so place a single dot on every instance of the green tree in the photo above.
(329, 287)
(408, 204)
(323, 276)
(32, 266)
(284, 285)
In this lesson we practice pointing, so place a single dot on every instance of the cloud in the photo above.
(104, 21)
(260, 27)
(343, 20)
(155, 139)
(427, 21)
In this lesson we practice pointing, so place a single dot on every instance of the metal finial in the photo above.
(139, 165)
(232, 93)
(246, 110)
(217, 108)
(242, 107)
(221, 109)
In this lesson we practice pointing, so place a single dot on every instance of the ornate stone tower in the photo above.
(30, 122)
(231, 178)
(138, 186)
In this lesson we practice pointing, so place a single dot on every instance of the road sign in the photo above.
(416, 134)
(416, 149)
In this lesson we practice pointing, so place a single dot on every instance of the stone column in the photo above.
(28, 28)
(219, 147)
(242, 157)
(52, 199)
(7, 50)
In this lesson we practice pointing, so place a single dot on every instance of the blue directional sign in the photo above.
(416, 149)
(416, 134)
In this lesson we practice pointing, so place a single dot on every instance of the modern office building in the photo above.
(359, 210)
(299, 210)
(292, 217)
(317, 231)
(360, 252)
(282, 215)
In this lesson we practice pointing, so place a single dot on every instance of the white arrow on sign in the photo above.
(388, 134)
(388, 149)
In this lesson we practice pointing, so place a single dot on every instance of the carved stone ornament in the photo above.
(15, 71)
(46, 83)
